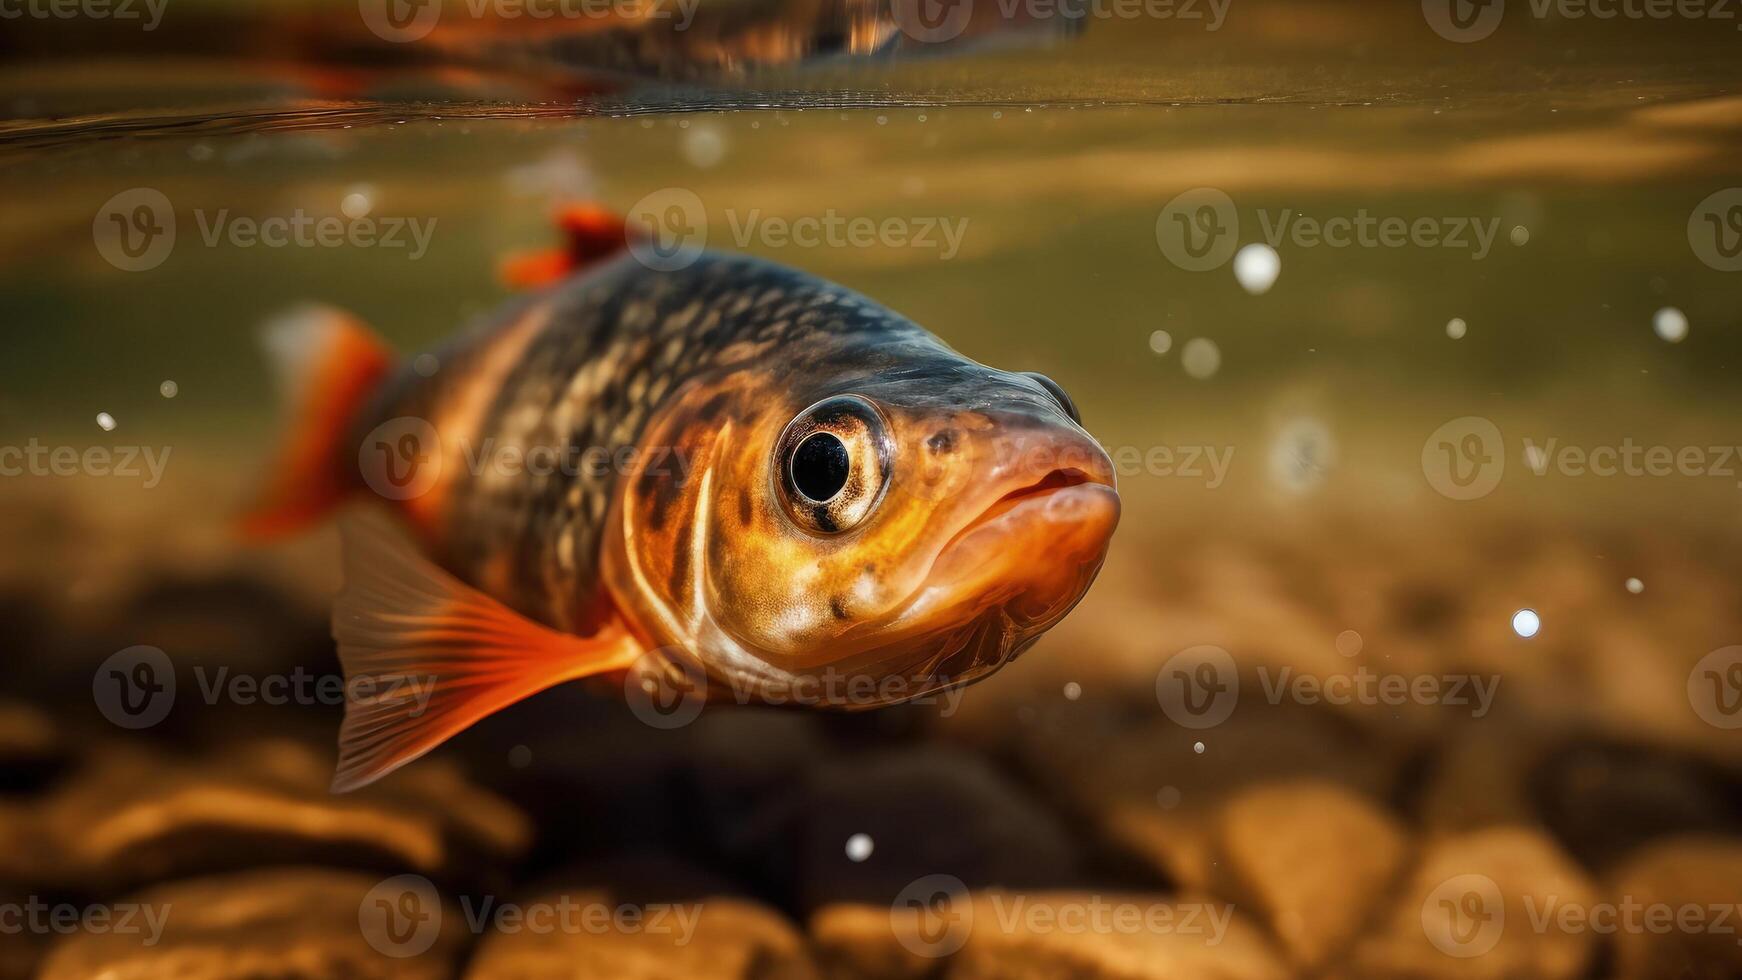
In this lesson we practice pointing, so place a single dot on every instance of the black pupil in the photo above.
(820, 466)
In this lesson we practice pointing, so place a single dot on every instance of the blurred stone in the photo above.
(857, 942)
(1310, 859)
(298, 924)
(1045, 935)
(638, 919)
(926, 811)
(20, 949)
(1603, 801)
(132, 817)
(1686, 901)
(29, 856)
(1480, 905)
(1154, 796)
(1481, 776)
(30, 747)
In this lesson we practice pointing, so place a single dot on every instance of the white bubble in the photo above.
(1456, 328)
(1160, 341)
(426, 364)
(859, 847)
(1198, 747)
(1167, 797)
(1526, 623)
(169, 389)
(358, 202)
(1201, 358)
(1349, 643)
(519, 757)
(704, 146)
(1256, 266)
(1073, 691)
(1670, 324)
(105, 421)
(1520, 235)
(1635, 586)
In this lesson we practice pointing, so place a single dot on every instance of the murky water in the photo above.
(1391, 335)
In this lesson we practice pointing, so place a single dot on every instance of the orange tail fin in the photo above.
(591, 234)
(331, 365)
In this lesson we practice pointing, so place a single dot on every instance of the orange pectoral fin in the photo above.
(426, 655)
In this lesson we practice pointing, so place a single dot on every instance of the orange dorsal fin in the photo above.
(329, 365)
(591, 234)
(426, 655)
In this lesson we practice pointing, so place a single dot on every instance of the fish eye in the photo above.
(1058, 395)
(833, 463)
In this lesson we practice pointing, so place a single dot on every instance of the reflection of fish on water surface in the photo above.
(574, 48)
(752, 477)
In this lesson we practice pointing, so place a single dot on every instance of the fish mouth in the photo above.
(1031, 553)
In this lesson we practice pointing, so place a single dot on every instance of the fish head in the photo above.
(891, 531)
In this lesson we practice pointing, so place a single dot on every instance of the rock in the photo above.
(299, 923)
(1697, 877)
(1310, 859)
(1018, 936)
(1481, 776)
(1152, 795)
(30, 747)
(926, 811)
(857, 942)
(1603, 801)
(639, 919)
(133, 817)
(1474, 907)
(20, 949)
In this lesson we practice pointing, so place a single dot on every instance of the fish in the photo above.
(730, 479)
